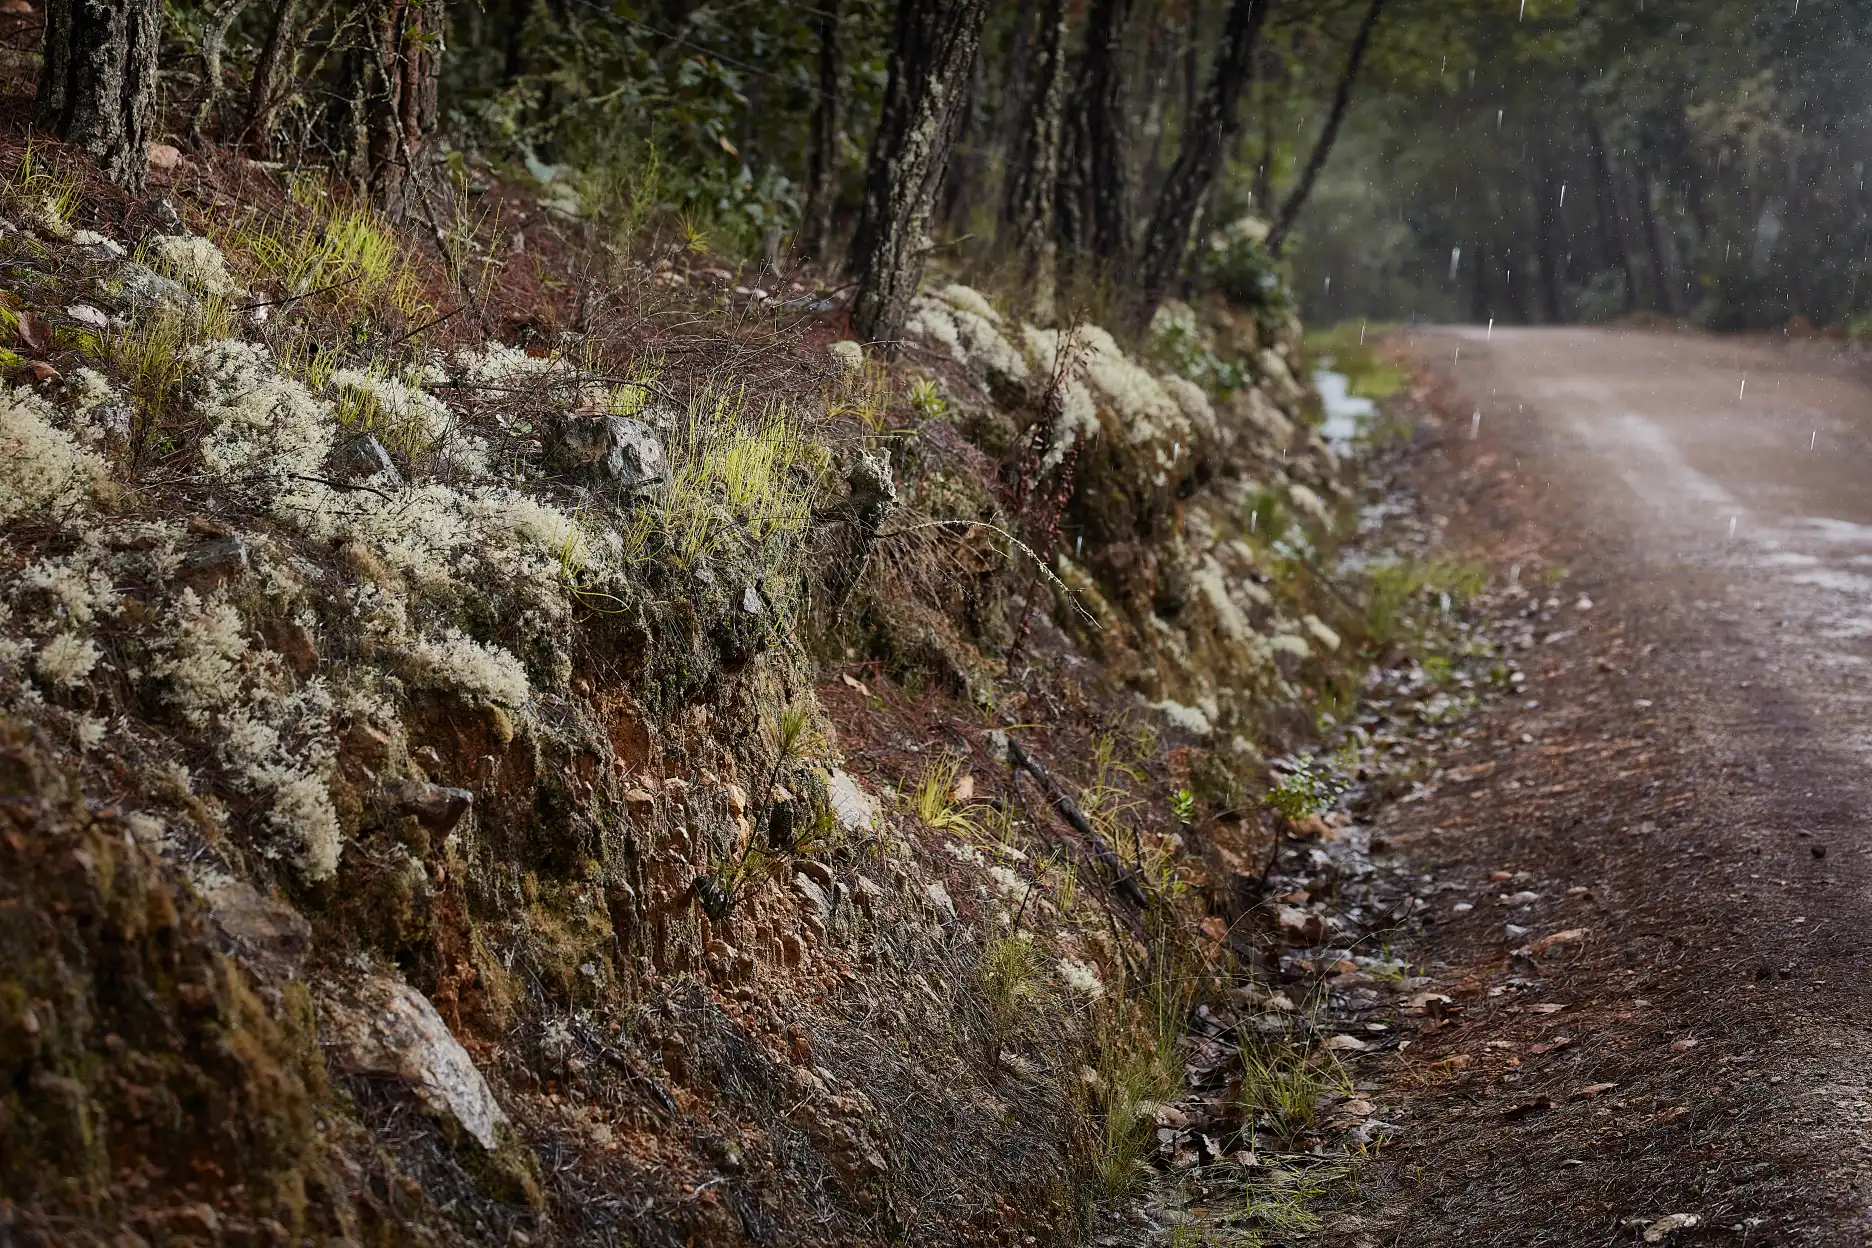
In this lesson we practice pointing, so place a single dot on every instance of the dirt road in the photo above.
(1683, 780)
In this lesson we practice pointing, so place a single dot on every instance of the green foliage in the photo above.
(1285, 1083)
(1238, 265)
(1011, 984)
(1401, 594)
(1307, 789)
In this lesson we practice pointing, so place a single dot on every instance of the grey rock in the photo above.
(166, 215)
(435, 806)
(268, 935)
(873, 490)
(614, 454)
(363, 458)
(751, 601)
(851, 805)
(815, 897)
(939, 898)
(216, 563)
(385, 1027)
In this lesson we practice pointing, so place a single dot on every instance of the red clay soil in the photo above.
(1681, 784)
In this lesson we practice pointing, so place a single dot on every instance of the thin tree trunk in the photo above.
(213, 43)
(828, 110)
(1110, 187)
(1479, 290)
(263, 95)
(1611, 216)
(1342, 98)
(1208, 137)
(97, 86)
(1654, 248)
(391, 109)
(933, 51)
(1546, 234)
(1075, 227)
(1034, 180)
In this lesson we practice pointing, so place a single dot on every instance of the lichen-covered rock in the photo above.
(385, 1027)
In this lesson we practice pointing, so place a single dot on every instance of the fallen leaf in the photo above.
(1546, 1007)
(964, 788)
(1538, 1105)
(1669, 1225)
(855, 683)
(1671, 1115)
(1346, 1044)
(1591, 1090)
(1558, 1042)
(1571, 936)
(1684, 1045)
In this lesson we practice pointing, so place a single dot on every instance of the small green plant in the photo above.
(934, 803)
(1011, 985)
(926, 397)
(1401, 593)
(1285, 1083)
(1264, 517)
(1307, 789)
(1183, 805)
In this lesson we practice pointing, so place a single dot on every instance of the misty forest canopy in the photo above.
(1552, 160)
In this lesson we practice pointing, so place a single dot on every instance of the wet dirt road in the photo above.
(1684, 781)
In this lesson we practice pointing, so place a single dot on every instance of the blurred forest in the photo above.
(1546, 160)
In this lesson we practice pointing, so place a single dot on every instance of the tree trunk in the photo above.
(1342, 98)
(1654, 248)
(827, 117)
(1547, 228)
(390, 112)
(1110, 179)
(213, 43)
(933, 51)
(1611, 216)
(1479, 290)
(1208, 136)
(1034, 180)
(97, 88)
(1070, 200)
(263, 95)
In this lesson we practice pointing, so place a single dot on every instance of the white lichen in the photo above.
(42, 469)
(266, 426)
(66, 660)
(458, 663)
(200, 659)
(193, 261)
(1081, 978)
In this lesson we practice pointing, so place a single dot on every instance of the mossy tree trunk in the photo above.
(1209, 137)
(1034, 181)
(1107, 23)
(1322, 148)
(392, 71)
(97, 88)
(827, 118)
(932, 55)
(264, 92)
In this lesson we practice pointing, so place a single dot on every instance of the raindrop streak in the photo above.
(1458, 358)
(1742, 389)
(1361, 333)
(1732, 521)
(1475, 424)
(1455, 258)
(1563, 194)
(1523, 16)
(1490, 335)
(1812, 438)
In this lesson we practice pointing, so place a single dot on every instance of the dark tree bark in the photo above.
(1034, 179)
(1611, 216)
(97, 87)
(263, 93)
(390, 112)
(1109, 179)
(1070, 200)
(1208, 137)
(1479, 289)
(1654, 248)
(1342, 98)
(827, 118)
(213, 43)
(932, 53)
(1551, 242)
